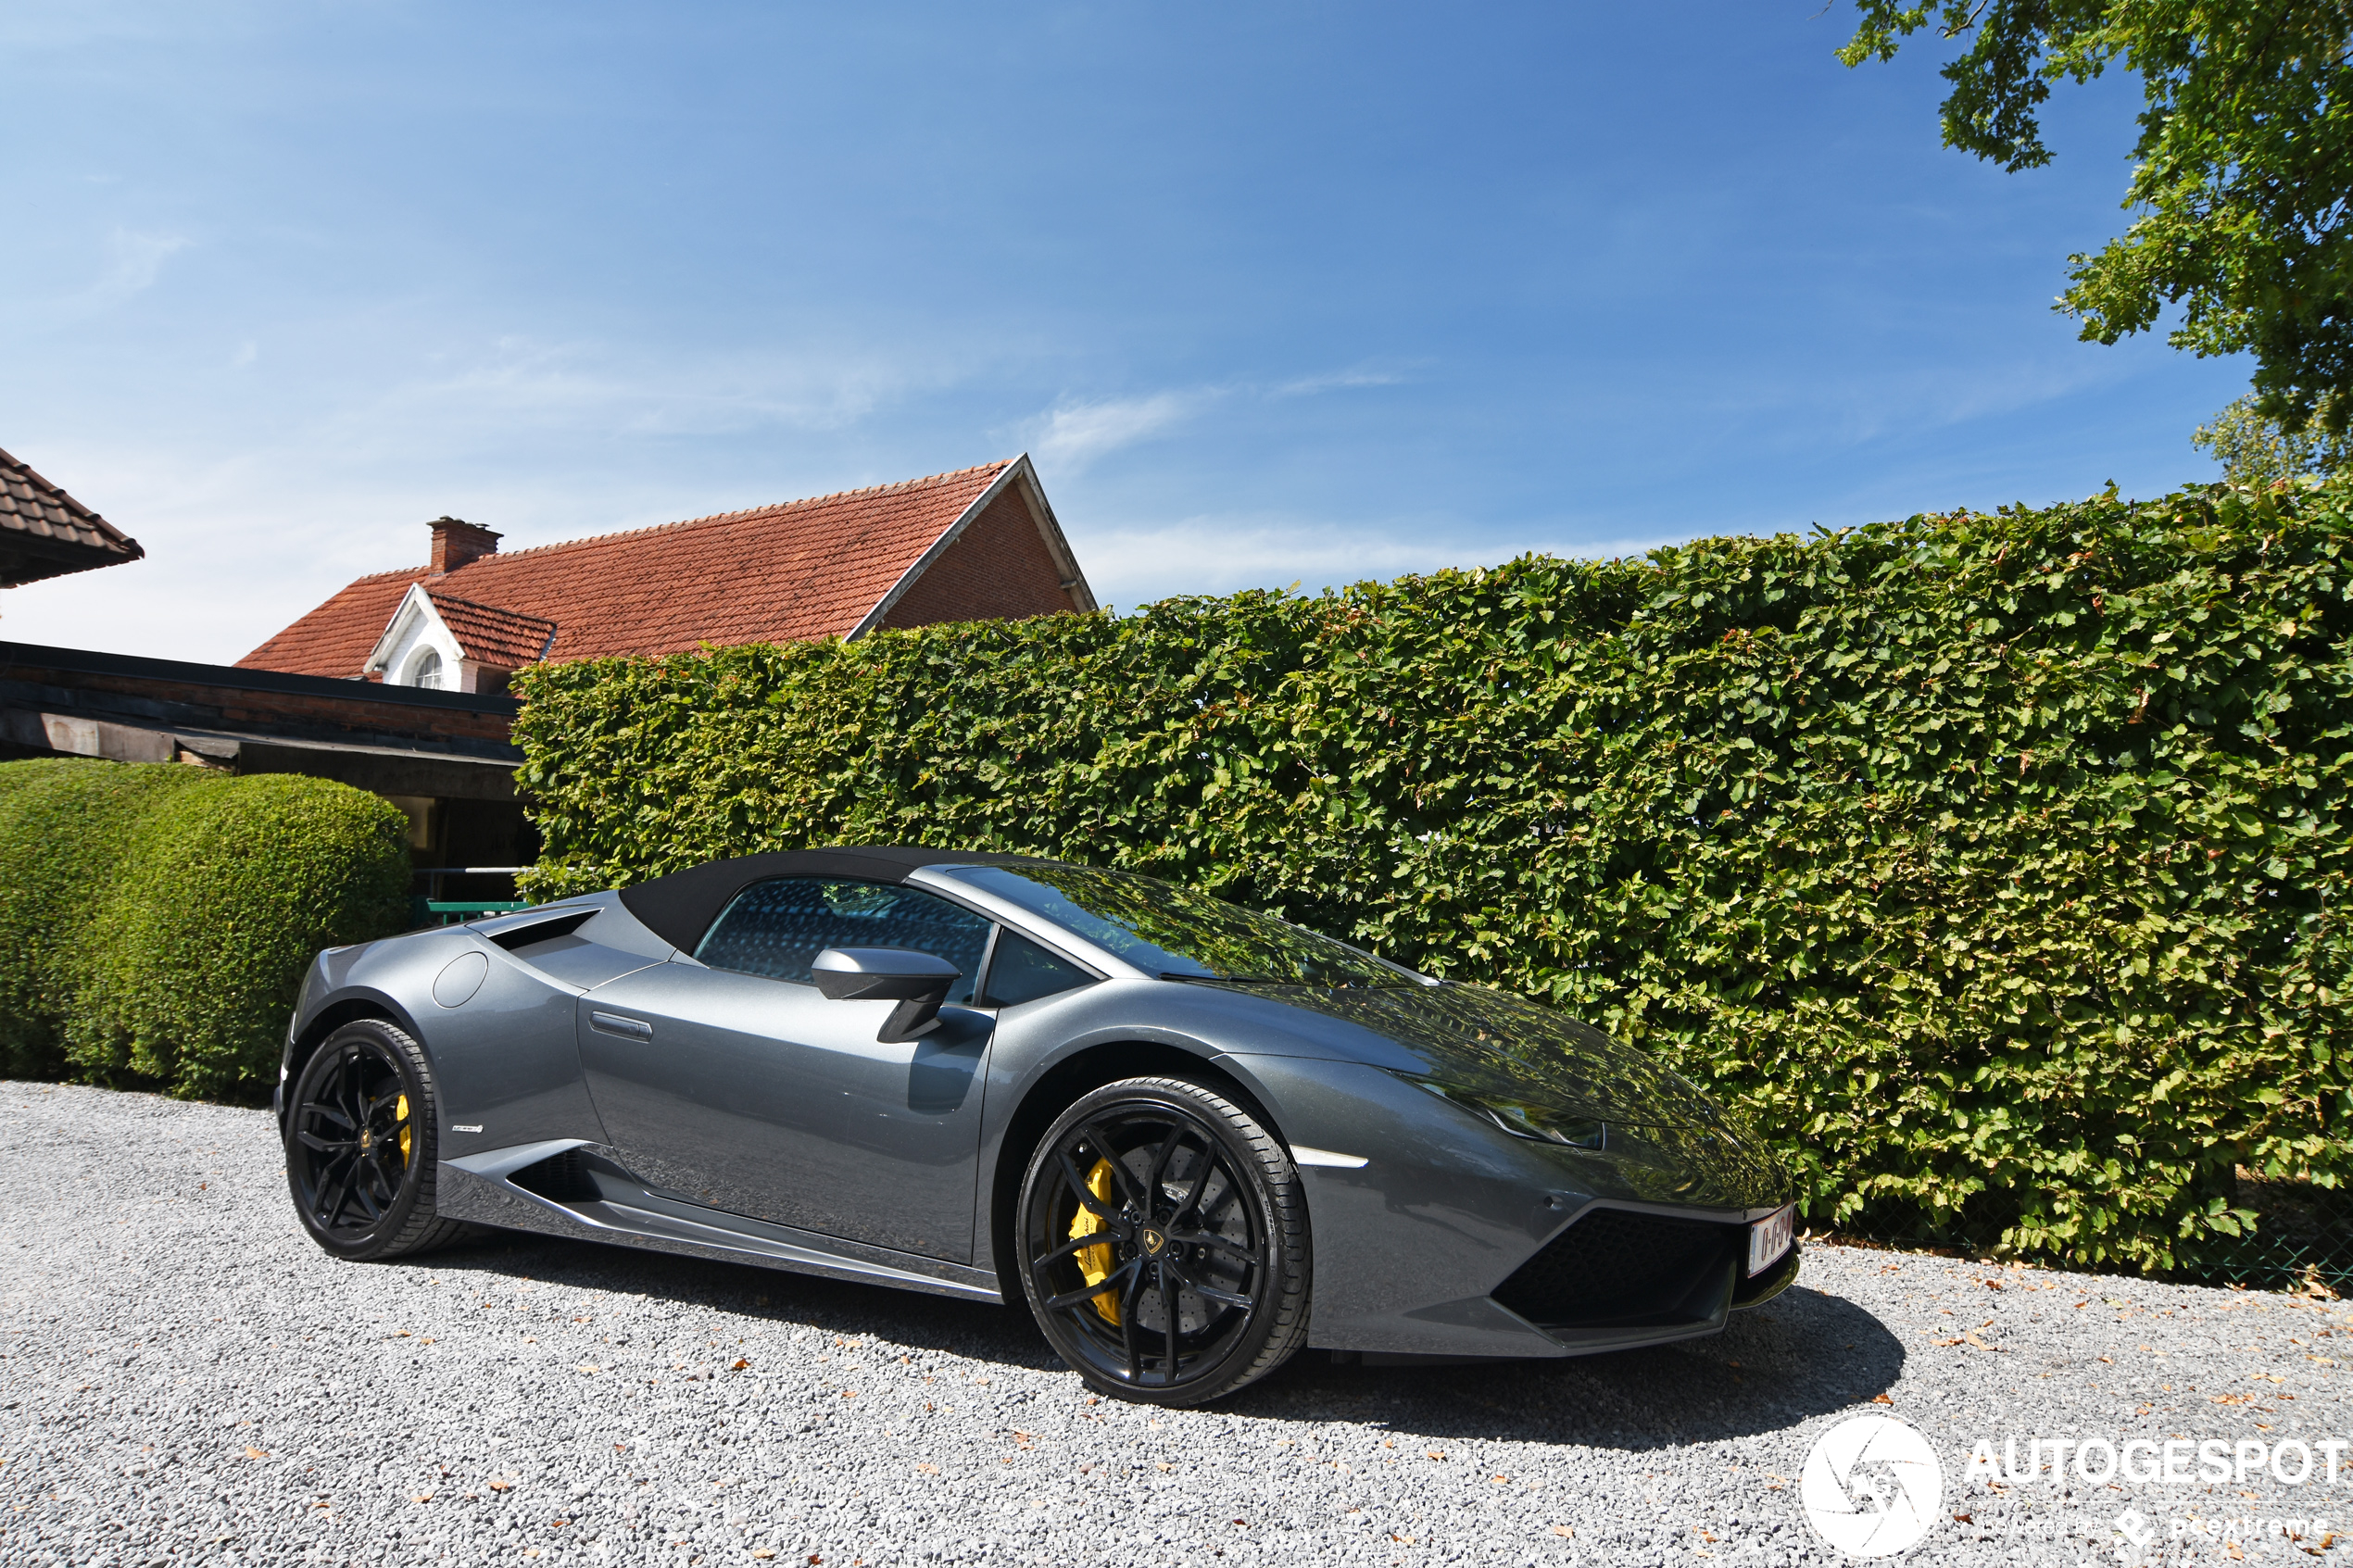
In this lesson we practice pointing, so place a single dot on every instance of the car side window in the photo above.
(1023, 971)
(777, 928)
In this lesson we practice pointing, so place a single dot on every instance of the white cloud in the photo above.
(1214, 554)
(1307, 386)
(133, 262)
(262, 510)
(516, 380)
(1075, 434)
(1903, 401)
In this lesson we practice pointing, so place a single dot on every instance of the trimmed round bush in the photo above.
(156, 920)
(225, 893)
(65, 824)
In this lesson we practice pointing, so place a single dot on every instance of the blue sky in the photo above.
(1271, 292)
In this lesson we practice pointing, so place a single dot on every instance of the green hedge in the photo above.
(154, 921)
(1996, 864)
(64, 828)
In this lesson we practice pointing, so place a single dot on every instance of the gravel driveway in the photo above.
(184, 1378)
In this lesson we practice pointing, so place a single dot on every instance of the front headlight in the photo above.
(1523, 1118)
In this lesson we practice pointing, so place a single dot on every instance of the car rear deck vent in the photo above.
(524, 934)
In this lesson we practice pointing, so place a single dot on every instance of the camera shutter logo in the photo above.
(1871, 1486)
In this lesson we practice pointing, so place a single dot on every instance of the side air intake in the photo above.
(561, 1178)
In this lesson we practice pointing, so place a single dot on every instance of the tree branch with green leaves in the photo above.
(2242, 178)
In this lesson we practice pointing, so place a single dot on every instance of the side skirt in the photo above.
(584, 1191)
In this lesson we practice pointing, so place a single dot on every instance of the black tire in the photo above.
(361, 1138)
(1200, 1285)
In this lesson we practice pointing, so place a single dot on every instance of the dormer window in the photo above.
(445, 644)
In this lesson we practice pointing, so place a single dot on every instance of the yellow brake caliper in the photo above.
(1094, 1262)
(400, 1115)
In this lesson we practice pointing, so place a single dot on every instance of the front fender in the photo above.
(504, 1061)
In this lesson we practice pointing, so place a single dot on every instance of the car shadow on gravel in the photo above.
(1802, 1355)
(755, 1294)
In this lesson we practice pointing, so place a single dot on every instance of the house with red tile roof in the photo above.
(977, 544)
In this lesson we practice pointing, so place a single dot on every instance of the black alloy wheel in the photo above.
(1164, 1243)
(359, 1145)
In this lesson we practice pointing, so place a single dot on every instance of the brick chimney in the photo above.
(456, 542)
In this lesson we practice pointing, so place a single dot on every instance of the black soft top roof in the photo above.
(679, 908)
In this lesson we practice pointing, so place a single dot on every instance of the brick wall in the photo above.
(997, 567)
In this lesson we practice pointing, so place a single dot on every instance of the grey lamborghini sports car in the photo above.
(1193, 1137)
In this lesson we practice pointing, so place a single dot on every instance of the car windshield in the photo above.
(1180, 933)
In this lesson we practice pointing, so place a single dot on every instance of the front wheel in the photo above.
(359, 1146)
(1164, 1243)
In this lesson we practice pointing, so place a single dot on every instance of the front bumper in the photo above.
(1617, 1277)
(1454, 1238)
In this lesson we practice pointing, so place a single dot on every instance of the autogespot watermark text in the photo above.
(2161, 1462)
(1873, 1486)
(2204, 1462)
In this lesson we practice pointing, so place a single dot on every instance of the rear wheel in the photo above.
(1164, 1243)
(359, 1146)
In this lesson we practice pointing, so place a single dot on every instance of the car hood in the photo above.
(1490, 1041)
(1668, 1140)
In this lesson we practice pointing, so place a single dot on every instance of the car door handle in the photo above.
(613, 1023)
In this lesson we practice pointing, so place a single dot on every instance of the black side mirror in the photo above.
(918, 982)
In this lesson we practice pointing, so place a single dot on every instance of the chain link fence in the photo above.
(2302, 1242)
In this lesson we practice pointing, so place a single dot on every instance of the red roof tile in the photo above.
(497, 637)
(798, 571)
(336, 638)
(45, 533)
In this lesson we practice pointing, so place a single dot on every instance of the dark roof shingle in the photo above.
(45, 533)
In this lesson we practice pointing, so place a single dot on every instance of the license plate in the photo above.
(1768, 1238)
